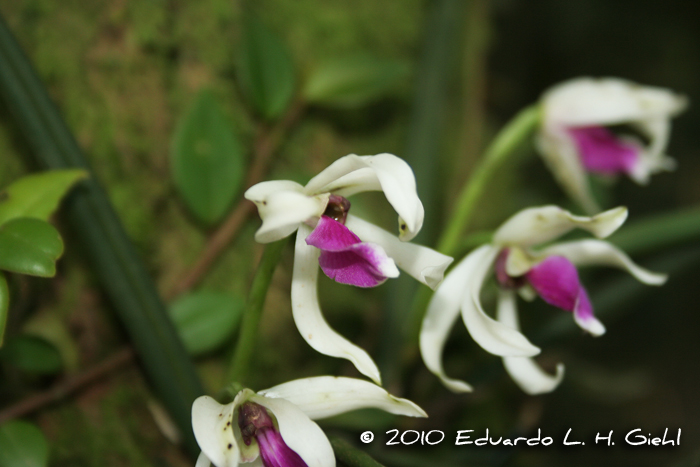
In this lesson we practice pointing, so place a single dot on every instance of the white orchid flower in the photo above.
(274, 427)
(549, 272)
(348, 249)
(575, 138)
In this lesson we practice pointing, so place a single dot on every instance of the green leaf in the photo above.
(4, 306)
(205, 320)
(207, 159)
(37, 195)
(265, 69)
(32, 354)
(354, 81)
(29, 246)
(22, 445)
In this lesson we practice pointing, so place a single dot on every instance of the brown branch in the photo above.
(267, 142)
(68, 386)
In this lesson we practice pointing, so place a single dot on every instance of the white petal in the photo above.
(214, 436)
(327, 396)
(599, 253)
(559, 152)
(299, 432)
(608, 101)
(487, 332)
(423, 263)
(538, 225)
(524, 370)
(353, 174)
(443, 311)
(307, 311)
(283, 211)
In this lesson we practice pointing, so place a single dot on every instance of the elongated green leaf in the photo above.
(22, 445)
(206, 320)
(4, 306)
(265, 69)
(354, 81)
(32, 354)
(37, 195)
(207, 159)
(30, 246)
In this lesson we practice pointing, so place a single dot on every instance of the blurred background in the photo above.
(436, 81)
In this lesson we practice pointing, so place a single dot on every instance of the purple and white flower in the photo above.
(274, 427)
(521, 268)
(576, 139)
(348, 249)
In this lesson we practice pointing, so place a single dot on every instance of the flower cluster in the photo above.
(605, 127)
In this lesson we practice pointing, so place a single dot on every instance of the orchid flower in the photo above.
(548, 272)
(576, 139)
(347, 248)
(274, 427)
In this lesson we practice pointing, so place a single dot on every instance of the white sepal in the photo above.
(533, 226)
(608, 101)
(443, 311)
(307, 312)
(327, 396)
(349, 175)
(214, 436)
(524, 370)
(493, 336)
(592, 252)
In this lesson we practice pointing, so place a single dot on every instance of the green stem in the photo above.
(256, 299)
(351, 456)
(505, 144)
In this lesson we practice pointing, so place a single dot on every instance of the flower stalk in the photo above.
(251, 320)
(502, 147)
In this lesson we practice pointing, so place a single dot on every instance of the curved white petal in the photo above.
(307, 311)
(327, 396)
(493, 336)
(608, 101)
(213, 433)
(592, 252)
(443, 311)
(424, 264)
(299, 432)
(560, 153)
(524, 370)
(349, 175)
(283, 211)
(541, 224)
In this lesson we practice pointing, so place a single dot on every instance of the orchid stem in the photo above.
(256, 299)
(351, 456)
(502, 147)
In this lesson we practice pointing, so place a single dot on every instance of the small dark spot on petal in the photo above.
(230, 445)
(228, 424)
